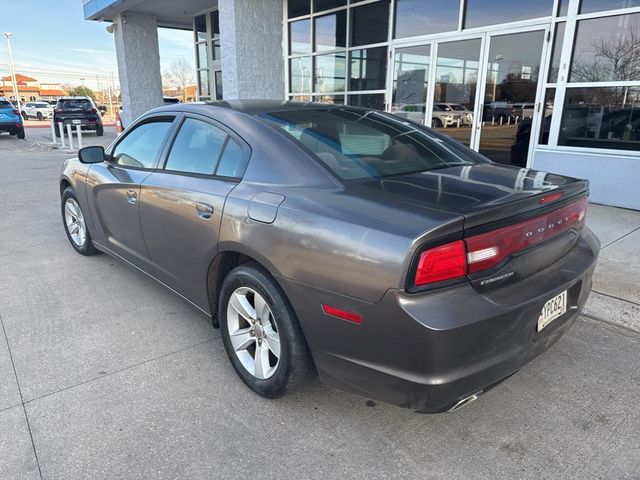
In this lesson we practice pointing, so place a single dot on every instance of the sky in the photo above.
(53, 43)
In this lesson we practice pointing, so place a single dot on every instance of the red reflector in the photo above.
(550, 198)
(445, 262)
(489, 249)
(343, 314)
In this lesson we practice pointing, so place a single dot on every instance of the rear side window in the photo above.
(233, 161)
(141, 146)
(196, 148)
(5, 104)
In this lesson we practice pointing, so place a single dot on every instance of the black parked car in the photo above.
(78, 111)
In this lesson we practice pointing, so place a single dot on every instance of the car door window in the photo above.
(196, 148)
(233, 161)
(141, 146)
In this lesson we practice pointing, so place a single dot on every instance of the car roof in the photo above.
(251, 107)
(75, 98)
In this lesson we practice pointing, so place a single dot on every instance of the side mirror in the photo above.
(93, 154)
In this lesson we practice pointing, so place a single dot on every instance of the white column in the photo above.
(251, 41)
(136, 37)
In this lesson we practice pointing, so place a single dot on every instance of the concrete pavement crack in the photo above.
(24, 409)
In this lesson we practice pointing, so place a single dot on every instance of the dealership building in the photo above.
(551, 85)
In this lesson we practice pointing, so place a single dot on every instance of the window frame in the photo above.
(143, 121)
(246, 149)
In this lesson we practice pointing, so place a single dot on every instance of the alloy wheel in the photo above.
(253, 333)
(74, 221)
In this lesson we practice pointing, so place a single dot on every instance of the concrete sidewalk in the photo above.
(615, 296)
(104, 374)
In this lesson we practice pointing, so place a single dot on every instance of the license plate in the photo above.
(554, 308)
(76, 122)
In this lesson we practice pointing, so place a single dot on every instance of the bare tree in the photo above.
(179, 75)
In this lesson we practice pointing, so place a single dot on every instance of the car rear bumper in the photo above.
(84, 124)
(427, 351)
(11, 126)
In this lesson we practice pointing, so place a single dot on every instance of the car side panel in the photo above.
(315, 238)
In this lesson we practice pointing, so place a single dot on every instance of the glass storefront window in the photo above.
(327, 4)
(554, 67)
(479, 13)
(215, 35)
(370, 23)
(590, 6)
(202, 55)
(300, 98)
(563, 8)
(331, 31)
(601, 117)
(423, 17)
(368, 69)
(545, 124)
(606, 49)
(218, 80)
(337, 99)
(203, 77)
(200, 24)
(300, 73)
(367, 100)
(330, 72)
(410, 81)
(300, 37)
(296, 8)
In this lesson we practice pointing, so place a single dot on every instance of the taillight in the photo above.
(445, 262)
(487, 250)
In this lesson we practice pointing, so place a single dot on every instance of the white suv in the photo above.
(39, 110)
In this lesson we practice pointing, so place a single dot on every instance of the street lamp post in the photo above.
(7, 35)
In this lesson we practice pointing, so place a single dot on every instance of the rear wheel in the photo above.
(57, 130)
(261, 334)
(100, 131)
(20, 134)
(75, 225)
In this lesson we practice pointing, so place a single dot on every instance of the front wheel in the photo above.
(75, 225)
(40, 117)
(261, 334)
(25, 116)
(437, 123)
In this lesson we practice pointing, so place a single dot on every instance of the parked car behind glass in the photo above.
(78, 111)
(39, 110)
(10, 119)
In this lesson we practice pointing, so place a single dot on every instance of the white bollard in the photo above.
(53, 133)
(501, 119)
(70, 132)
(459, 123)
(79, 133)
(517, 118)
(61, 130)
(493, 121)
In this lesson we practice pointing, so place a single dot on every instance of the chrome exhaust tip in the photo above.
(466, 401)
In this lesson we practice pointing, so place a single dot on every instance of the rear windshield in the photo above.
(360, 144)
(76, 103)
(5, 104)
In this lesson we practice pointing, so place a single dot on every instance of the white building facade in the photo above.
(546, 84)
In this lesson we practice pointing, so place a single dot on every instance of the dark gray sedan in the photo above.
(392, 260)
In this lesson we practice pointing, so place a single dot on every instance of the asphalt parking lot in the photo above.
(104, 374)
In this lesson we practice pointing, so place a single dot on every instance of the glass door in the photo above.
(513, 63)
(410, 82)
(455, 85)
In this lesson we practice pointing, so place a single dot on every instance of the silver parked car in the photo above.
(392, 260)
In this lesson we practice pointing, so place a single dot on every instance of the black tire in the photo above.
(20, 134)
(437, 123)
(295, 365)
(40, 117)
(25, 116)
(86, 248)
(99, 131)
(57, 130)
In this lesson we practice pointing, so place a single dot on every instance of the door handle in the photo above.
(132, 196)
(204, 210)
